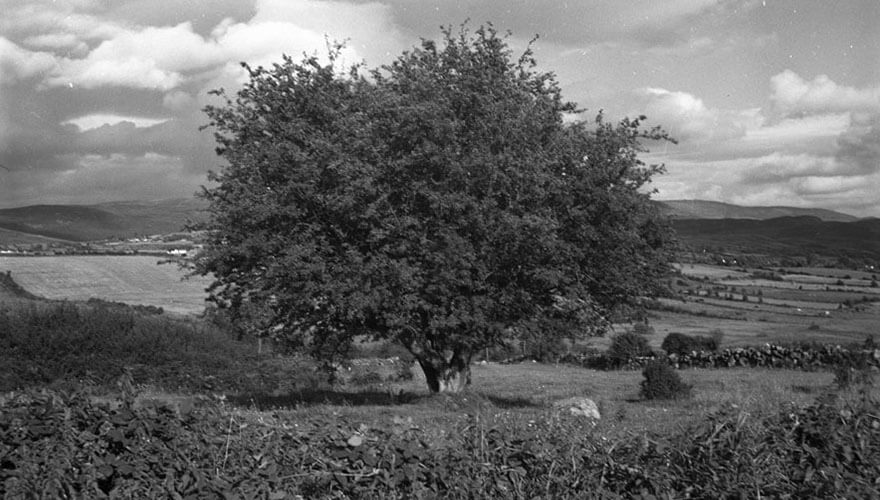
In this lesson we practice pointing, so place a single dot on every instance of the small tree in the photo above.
(442, 202)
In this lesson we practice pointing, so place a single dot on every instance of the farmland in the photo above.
(129, 279)
(229, 404)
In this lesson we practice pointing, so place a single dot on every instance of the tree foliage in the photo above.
(442, 201)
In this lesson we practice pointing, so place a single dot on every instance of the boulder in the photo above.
(578, 406)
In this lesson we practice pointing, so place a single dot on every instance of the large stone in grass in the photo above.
(578, 406)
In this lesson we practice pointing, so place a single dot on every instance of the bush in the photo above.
(681, 344)
(662, 382)
(852, 368)
(55, 445)
(65, 344)
(626, 347)
(643, 329)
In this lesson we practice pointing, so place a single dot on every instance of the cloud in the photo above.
(793, 95)
(689, 119)
(569, 23)
(859, 146)
(92, 121)
(132, 72)
(98, 178)
(773, 180)
(17, 63)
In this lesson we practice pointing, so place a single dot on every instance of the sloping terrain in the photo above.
(701, 209)
(97, 222)
(783, 236)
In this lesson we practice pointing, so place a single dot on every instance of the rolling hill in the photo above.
(701, 209)
(783, 236)
(96, 222)
(718, 227)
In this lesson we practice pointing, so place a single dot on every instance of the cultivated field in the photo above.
(130, 279)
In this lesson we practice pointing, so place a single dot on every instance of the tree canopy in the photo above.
(443, 201)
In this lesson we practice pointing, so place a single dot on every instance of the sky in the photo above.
(773, 102)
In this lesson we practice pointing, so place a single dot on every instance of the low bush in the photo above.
(626, 347)
(680, 344)
(55, 445)
(66, 344)
(643, 329)
(663, 382)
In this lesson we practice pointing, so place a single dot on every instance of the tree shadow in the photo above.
(509, 403)
(313, 397)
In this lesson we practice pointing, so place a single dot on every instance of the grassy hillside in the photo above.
(97, 222)
(10, 237)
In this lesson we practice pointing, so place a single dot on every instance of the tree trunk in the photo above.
(450, 375)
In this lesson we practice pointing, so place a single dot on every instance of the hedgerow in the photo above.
(57, 445)
(68, 344)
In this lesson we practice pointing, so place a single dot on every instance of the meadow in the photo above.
(134, 279)
(107, 401)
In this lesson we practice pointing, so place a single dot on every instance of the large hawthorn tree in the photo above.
(443, 201)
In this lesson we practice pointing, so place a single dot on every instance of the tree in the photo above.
(442, 201)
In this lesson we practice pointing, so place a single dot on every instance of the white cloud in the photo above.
(93, 121)
(688, 118)
(792, 95)
(17, 63)
(773, 180)
(132, 72)
(165, 57)
(58, 42)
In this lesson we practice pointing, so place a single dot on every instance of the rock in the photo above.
(579, 406)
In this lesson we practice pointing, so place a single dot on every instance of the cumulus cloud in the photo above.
(793, 95)
(95, 120)
(821, 148)
(17, 63)
(688, 118)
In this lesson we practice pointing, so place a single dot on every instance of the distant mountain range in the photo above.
(713, 226)
(701, 209)
(78, 223)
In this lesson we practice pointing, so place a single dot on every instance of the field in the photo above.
(130, 279)
(221, 417)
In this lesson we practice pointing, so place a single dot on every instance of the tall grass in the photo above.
(65, 344)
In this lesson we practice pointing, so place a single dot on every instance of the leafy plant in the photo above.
(626, 347)
(442, 202)
(663, 382)
(681, 344)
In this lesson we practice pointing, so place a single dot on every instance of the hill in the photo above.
(96, 222)
(701, 209)
(783, 237)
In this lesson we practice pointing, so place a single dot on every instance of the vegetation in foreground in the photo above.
(741, 432)
(68, 446)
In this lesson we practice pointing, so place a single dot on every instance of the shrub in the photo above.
(663, 382)
(643, 329)
(681, 344)
(627, 346)
(716, 336)
(852, 368)
(678, 344)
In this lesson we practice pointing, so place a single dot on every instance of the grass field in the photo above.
(129, 279)
(240, 405)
